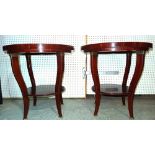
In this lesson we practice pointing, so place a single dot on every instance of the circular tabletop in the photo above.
(37, 48)
(117, 47)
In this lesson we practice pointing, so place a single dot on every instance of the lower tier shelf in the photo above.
(112, 90)
(44, 90)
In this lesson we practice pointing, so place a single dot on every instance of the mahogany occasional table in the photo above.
(128, 48)
(38, 49)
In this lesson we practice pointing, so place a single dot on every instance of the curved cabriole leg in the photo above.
(140, 58)
(58, 86)
(126, 74)
(94, 71)
(32, 79)
(19, 78)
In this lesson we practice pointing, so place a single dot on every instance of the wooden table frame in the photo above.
(128, 48)
(37, 49)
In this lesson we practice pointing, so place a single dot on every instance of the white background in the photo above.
(97, 17)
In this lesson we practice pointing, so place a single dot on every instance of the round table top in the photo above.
(117, 47)
(37, 48)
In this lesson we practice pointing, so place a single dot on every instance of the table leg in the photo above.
(19, 78)
(32, 79)
(126, 74)
(140, 58)
(95, 76)
(58, 86)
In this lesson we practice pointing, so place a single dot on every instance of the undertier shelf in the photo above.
(112, 90)
(44, 90)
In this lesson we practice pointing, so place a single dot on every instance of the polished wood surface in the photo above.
(38, 49)
(112, 90)
(117, 47)
(15, 63)
(94, 71)
(32, 79)
(128, 48)
(126, 74)
(44, 90)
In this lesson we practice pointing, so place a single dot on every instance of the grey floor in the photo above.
(79, 109)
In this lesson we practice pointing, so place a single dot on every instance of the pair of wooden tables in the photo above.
(128, 48)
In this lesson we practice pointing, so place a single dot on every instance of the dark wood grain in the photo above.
(32, 79)
(38, 49)
(128, 48)
(126, 74)
(20, 80)
(44, 90)
(140, 58)
(58, 86)
(94, 71)
(112, 90)
(117, 47)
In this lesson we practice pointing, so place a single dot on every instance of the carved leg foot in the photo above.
(58, 104)
(26, 107)
(130, 106)
(97, 103)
